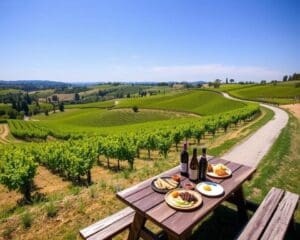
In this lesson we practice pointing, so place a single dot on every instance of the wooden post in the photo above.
(240, 202)
(136, 226)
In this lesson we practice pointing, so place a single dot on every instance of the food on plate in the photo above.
(175, 194)
(183, 199)
(189, 186)
(210, 189)
(221, 172)
(207, 187)
(210, 168)
(220, 169)
(165, 183)
(176, 178)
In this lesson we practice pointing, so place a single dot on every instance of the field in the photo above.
(195, 101)
(280, 93)
(6, 91)
(104, 104)
(94, 119)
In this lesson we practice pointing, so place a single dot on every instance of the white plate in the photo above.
(216, 189)
(170, 200)
(212, 174)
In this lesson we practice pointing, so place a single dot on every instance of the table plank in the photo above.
(178, 223)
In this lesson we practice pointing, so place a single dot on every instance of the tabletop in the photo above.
(152, 205)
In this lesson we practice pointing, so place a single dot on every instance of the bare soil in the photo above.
(293, 108)
(4, 132)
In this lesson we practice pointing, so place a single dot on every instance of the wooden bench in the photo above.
(273, 217)
(110, 226)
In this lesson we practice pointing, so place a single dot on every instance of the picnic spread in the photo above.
(177, 208)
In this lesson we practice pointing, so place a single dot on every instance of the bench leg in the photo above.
(240, 202)
(292, 227)
(136, 226)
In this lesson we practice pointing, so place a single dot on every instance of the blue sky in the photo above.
(149, 40)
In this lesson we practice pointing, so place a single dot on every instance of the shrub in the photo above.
(26, 219)
(135, 108)
(51, 209)
(93, 192)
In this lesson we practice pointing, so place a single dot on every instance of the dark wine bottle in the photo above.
(184, 161)
(193, 167)
(203, 165)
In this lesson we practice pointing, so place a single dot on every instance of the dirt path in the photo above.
(255, 147)
(4, 132)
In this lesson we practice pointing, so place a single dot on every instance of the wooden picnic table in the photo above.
(150, 205)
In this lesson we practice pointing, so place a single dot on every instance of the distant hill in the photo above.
(32, 85)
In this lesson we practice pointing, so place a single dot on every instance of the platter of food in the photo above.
(210, 189)
(218, 171)
(164, 184)
(183, 199)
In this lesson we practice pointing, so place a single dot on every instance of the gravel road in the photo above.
(254, 148)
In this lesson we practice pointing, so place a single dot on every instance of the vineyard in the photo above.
(73, 159)
(281, 93)
(196, 101)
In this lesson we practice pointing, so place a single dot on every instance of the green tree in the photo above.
(285, 78)
(77, 97)
(55, 98)
(217, 83)
(61, 107)
(25, 107)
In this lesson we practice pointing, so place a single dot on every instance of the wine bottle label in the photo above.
(193, 174)
(183, 167)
